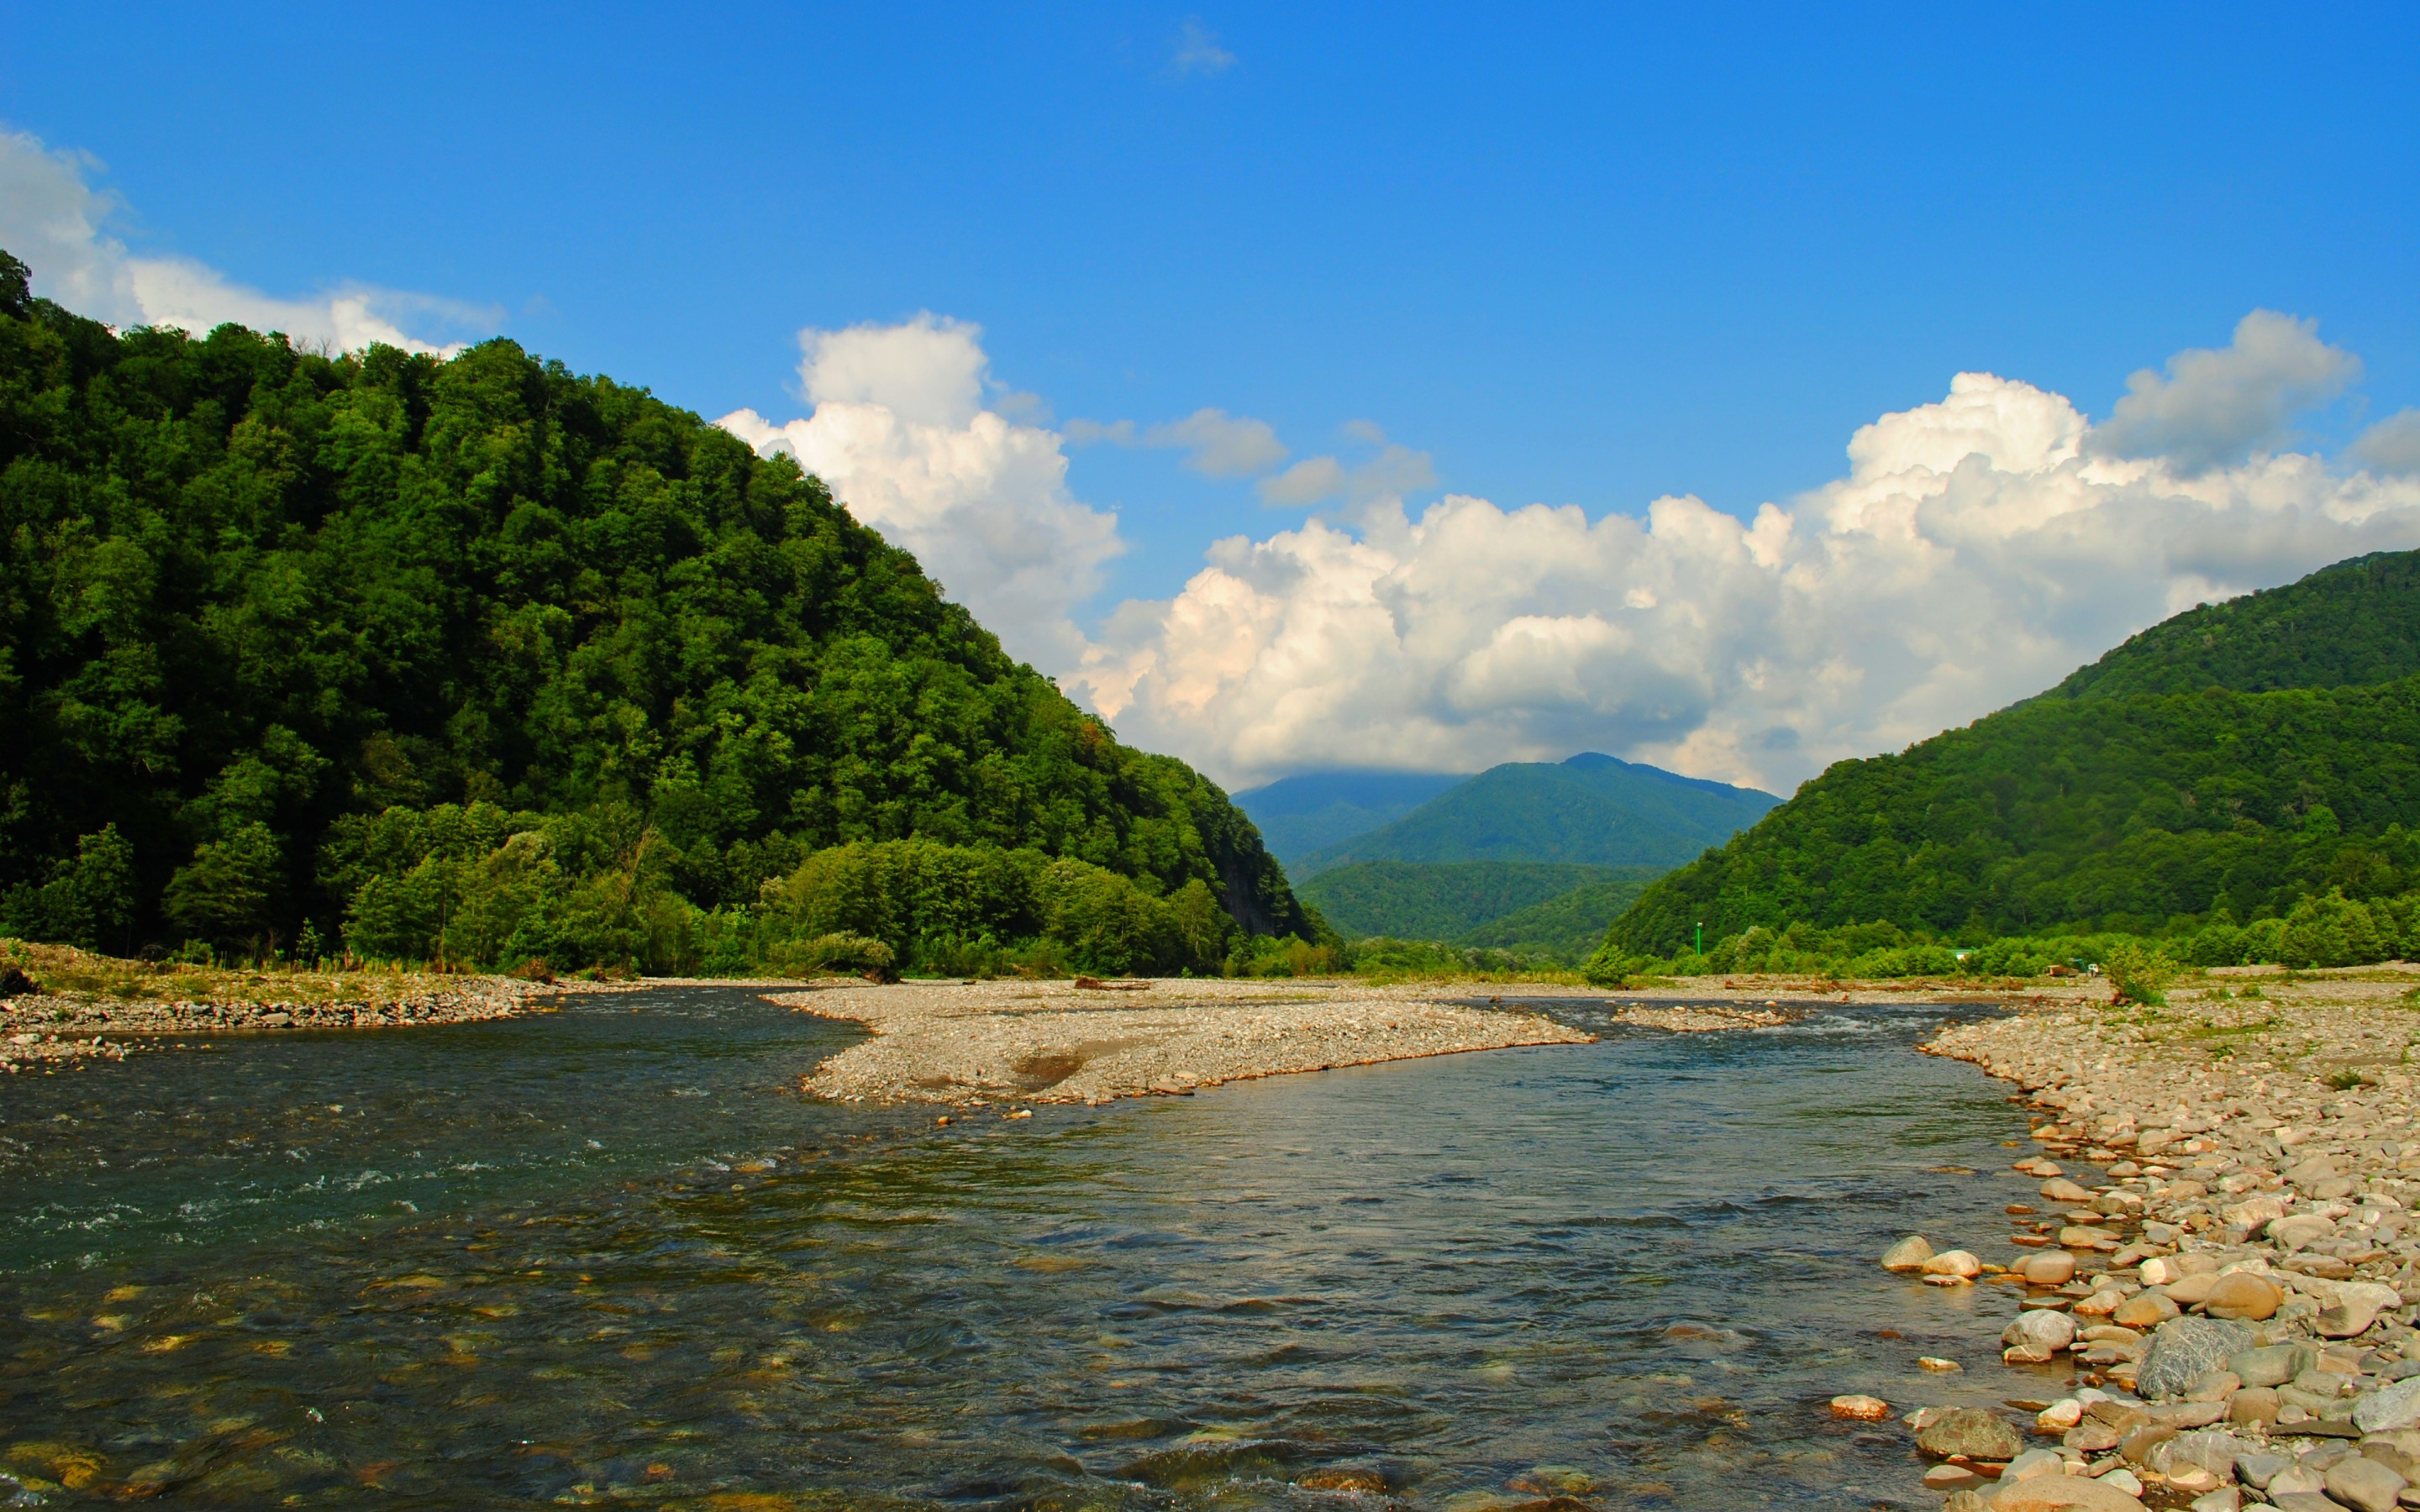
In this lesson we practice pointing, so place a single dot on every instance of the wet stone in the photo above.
(2185, 1349)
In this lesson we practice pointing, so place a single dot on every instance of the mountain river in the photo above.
(609, 1254)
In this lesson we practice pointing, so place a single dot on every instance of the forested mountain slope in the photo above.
(1590, 811)
(1299, 815)
(2096, 806)
(1441, 900)
(297, 645)
(2346, 625)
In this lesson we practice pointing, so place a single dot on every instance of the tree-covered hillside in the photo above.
(2129, 814)
(2347, 626)
(1441, 900)
(300, 646)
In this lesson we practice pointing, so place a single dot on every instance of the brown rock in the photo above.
(2254, 1404)
(2055, 1493)
(1971, 1433)
(2144, 1309)
(2053, 1269)
(2241, 1294)
(1861, 1409)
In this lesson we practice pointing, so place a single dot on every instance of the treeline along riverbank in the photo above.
(479, 660)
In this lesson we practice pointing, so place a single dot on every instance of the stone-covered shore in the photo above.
(2216, 1282)
(48, 1031)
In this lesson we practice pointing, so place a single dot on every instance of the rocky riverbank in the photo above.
(978, 1043)
(73, 1009)
(2217, 1278)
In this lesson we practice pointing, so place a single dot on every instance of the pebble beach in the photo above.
(2215, 1282)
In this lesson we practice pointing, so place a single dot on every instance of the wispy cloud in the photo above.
(1197, 50)
(1219, 444)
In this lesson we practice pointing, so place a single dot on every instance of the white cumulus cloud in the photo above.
(1978, 549)
(2215, 408)
(56, 222)
(901, 436)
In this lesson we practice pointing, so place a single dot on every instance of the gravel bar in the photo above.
(976, 1043)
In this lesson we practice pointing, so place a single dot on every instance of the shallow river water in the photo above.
(609, 1254)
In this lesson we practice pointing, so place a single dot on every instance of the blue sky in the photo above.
(1578, 256)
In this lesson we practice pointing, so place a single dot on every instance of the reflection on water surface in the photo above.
(606, 1256)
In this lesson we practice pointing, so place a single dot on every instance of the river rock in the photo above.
(2241, 1294)
(2225, 1499)
(2272, 1365)
(2034, 1462)
(2059, 1189)
(1861, 1409)
(2185, 1349)
(2213, 1449)
(2252, 1212)
(2144, 1309)
(2300, 1229)
(2059, 1415)
(1973, 1432)
(2215, 1387)
(1958, 1264)
(2091, 1438)
(2036, 1337)
(2055, 1493)
(2311, 1172)
(2192, 1287)
(2053, 1268)
(2257, 1466)
(1951, 1478)
(1909, 1254)
(2390, 1408)
(2363, 1484)
(2254, 1405)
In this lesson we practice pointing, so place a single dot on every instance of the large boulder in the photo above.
(2185, 1349)
(1973, 1432)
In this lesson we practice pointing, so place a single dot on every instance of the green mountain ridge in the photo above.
(1302, 815)
(2171, 780)
(474, 658)
(1590, 811)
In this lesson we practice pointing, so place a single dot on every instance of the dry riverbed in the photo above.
(976, 1043)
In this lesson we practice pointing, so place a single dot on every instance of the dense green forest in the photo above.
(1568, 926)
(1437, 901)
(1590, 811)
(2347, 626)
(2171, 790)
(478, 660)
(1548, 909)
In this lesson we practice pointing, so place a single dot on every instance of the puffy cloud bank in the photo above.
(901, 434)
(1978, 549)
(55, 223)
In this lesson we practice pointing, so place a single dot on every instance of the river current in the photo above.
(609, 1255)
